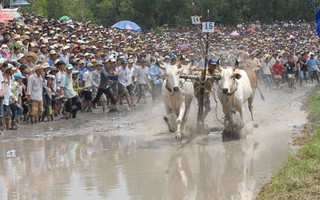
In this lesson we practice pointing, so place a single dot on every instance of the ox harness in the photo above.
(234, 88)
(172, 89)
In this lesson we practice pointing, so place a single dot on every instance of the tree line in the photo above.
(153, 13)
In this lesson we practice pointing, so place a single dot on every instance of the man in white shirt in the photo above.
(65, 55)
(35, 93)
(88, 84)
(124, 81)
(142, 74)
(68, 91)
(1, 91)
(130, 87)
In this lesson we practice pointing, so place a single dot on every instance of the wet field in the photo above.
(131, 155)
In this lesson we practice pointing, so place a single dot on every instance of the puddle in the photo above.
(132, 156)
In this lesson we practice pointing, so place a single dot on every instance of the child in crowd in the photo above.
(48, 93)
(16, 99)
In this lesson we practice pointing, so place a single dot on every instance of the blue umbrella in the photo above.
(20, 3)
(129, 25)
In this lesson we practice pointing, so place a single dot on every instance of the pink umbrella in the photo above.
(251, 30)
(234, 33)
(183, 47)
(5, 16)
(292, 37)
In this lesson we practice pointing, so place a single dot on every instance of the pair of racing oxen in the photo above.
(234, 87)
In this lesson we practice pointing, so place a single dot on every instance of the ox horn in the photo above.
(181, 57)
(218, 65)
(237, 63)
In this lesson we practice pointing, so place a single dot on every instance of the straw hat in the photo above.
(266, 57)
(37, 67)
(31, 54)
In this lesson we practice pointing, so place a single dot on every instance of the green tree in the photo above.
(104, 12)
(153, 13)
(55, 8)
(36, 7)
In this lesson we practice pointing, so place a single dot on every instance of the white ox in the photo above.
(177, 95)
(234, 91)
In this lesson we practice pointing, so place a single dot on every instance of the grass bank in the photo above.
(299, 177)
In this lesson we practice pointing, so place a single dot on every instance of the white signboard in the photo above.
(208, 27)
(195, 20)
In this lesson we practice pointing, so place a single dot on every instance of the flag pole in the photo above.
(200, 119)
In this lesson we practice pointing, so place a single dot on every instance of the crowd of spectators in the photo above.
(53, 69)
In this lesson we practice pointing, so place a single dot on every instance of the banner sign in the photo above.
(208, 27)
(196, 19)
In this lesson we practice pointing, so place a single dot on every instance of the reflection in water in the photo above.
(237, 174)
(180, 181)
(113, 167)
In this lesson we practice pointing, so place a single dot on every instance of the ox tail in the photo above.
(262, 97)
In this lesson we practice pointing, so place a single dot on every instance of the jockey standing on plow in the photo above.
(211, 71)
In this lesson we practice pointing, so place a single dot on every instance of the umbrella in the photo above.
(20, 3)
(250, 30)
(5, 16)
(234, 33)
(183, 47)
(12, 12)
(64, 18)
(216, 31)
(129, 25)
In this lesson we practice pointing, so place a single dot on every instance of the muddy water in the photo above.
(131, 155)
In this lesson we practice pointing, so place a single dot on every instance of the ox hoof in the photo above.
(178, 137)
(230, 135)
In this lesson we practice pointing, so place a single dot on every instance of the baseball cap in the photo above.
(51, 76)
(213, 61)
(90, 64)
(16, 76)
(69, 66)
(52, 52)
